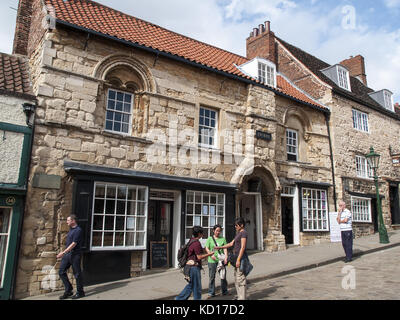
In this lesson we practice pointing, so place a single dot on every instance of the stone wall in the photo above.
(70, 126)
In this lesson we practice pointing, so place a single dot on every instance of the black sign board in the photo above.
(264, 135)
(159, 255)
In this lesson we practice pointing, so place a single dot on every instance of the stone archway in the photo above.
(258, 202)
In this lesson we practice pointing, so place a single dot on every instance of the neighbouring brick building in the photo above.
(360, 118)
(143, 133)
(16, 117)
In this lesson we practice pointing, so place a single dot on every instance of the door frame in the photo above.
(259, 216)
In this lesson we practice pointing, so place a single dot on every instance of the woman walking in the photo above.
(241, 261)
(215, 262)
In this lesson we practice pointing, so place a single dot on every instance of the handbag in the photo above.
(232, 258)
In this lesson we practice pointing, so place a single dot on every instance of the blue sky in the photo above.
(331, 30)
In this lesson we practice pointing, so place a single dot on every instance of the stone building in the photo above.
(144, 133)
(16, 118)
(360, 118)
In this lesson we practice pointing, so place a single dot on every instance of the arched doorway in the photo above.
(257, 204)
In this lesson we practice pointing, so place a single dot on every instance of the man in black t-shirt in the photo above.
(71, 256)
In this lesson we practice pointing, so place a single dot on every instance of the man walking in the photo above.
(71, 256)
(345, 220)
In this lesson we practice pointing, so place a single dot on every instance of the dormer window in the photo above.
(388, 100)
(343, 77)
(384, 98)
(338, 74)
(261, 69)
(266, 74)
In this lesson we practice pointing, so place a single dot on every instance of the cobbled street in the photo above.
(370, 277)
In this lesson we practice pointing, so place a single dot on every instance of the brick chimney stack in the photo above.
(261, 43)
(356, 66)
(22, 28)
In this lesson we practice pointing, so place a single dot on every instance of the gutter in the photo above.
(327, 118)
(186, 61)
(21, 222)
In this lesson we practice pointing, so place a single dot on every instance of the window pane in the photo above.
(108, 239)
(97, 239)
(141, 223)
(119, 239)
(142, 194)
(131, 208)
(111, 94)
(120, 224)
(140, 239)
(99, 206)
(98, 223)
(109, 223)
(110, 207)
(132, 193)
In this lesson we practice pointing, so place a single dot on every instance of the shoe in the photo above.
(210, 297)
(347, 261)
(66, 295)
(78, 295)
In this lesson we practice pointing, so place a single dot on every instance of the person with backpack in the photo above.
(194, 256)
(217, 261)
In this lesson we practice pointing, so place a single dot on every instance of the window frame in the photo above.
(3, 268)
(360, 121)
(343, 78)
(291, 145)
(120, 112)
(266, 73)
(194, 203)
(125, 231)
(305, 210)
(355, 214)
(202, 126)
(388, 98)
(365, 171)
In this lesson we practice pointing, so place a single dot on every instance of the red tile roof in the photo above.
(14, 74)
(94, 16)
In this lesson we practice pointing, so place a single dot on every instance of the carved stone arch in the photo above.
(300, 115)
(110, 63)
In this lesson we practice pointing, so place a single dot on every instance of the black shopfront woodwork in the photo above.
(105, 265)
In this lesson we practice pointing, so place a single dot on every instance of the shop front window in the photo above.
(315, 210)
(119, 217)
(204, 209)
(5, 218)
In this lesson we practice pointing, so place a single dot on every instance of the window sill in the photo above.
(125, 136)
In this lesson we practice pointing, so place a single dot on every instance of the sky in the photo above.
(332, 30)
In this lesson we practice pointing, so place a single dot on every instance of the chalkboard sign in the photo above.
(159, 255)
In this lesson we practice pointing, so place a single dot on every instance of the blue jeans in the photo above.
(194, 286)
(212, 267)
(347, 242)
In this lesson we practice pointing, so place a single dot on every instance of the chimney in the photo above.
(22, 27)
(356, 66)
(261, 43)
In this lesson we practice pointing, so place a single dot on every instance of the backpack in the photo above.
(183, 253)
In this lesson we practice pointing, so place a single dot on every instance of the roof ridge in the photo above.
(158, 26)
(285, 43)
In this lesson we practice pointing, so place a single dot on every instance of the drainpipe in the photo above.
(29, 110)
(327, 118)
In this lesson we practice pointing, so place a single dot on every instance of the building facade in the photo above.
(16, 118)
(143, 138)
(360, 118)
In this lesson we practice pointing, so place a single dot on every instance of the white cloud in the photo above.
(227, 24)
(392, 3)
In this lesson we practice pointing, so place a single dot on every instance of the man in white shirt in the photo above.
(345, 220)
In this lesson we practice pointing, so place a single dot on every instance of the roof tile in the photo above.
(94, 16)
(14, 75)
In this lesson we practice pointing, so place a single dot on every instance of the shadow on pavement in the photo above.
(106, 287)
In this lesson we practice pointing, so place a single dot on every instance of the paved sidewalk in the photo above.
(168, 284)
